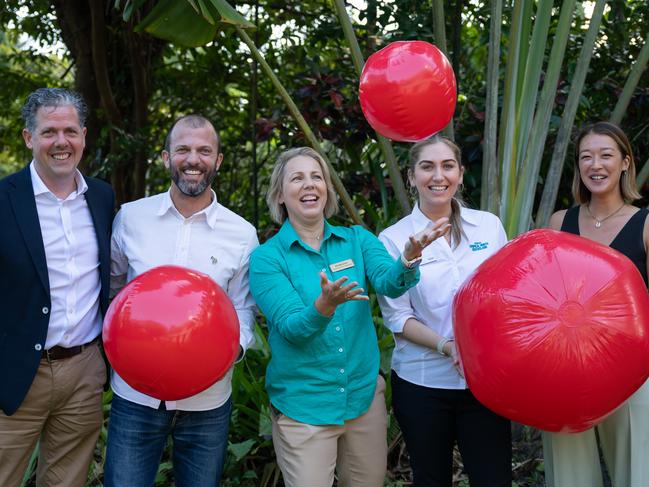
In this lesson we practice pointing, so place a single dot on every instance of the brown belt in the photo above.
(59, 353)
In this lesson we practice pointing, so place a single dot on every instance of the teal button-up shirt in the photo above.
(323, 369)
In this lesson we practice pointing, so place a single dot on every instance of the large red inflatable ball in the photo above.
(553, 331)
(171, 333)
(408, 91)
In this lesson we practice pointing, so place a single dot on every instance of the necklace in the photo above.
(598, 222)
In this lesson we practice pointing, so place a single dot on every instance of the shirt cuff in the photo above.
(314, 320)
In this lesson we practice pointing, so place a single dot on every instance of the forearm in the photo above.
(417, 332)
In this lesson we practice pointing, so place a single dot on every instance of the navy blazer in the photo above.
(24, 284)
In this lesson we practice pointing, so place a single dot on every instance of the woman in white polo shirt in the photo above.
(430, 398)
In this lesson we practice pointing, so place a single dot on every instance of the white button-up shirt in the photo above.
(151, 232)
(72, 256)
(443, 270)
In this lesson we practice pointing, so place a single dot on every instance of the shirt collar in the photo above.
(40, 188)
(421, 221)
(288, 236)
(210, 212)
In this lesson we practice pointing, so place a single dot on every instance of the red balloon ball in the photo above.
(171, 333)
(553, 331)
(408, 91)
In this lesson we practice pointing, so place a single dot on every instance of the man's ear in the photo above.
(165, 159)
(27, 137)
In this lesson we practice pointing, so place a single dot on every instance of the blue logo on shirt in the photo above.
(475, 246)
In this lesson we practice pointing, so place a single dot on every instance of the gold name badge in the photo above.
(343, 264)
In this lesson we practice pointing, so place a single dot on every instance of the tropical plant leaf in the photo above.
(179, 23)
(228, 13)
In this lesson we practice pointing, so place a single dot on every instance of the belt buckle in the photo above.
(47, 356)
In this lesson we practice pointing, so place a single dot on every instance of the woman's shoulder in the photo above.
(269, 248)
(556, 220)
(480, 217)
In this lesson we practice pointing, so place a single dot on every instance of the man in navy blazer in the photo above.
(55, 227)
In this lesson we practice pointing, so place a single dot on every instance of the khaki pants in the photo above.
(308, 454)
(572, 460)
(63, 408)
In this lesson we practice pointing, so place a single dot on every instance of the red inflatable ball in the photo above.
(553, 331)
(407, 91)
(171, 333)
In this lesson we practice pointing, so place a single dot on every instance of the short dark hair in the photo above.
(52, 97)
(194, 120)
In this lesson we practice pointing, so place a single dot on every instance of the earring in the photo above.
(460, 188)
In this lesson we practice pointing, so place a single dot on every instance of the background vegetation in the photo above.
(136, 84)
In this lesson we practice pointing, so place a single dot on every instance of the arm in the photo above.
(389, 277)
(118, 259)
(399, 316)
(277, 298)
(557, 219)
(239, 293)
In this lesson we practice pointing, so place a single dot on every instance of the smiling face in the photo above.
(436, 174)
(304, 190)
(601, 164)
(193, 158)
(57, 144)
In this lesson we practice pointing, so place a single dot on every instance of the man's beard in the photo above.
(192, 189)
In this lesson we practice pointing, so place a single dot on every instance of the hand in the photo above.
(451, 350)
(336, 293)
(419, 241)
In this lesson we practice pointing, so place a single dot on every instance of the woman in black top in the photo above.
(604, 188)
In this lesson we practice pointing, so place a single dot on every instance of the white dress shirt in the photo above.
(443, 270)
(72, 256)
(150, 232)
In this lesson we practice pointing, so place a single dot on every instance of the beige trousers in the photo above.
(63, 408)
(572, 460)
(357, 450)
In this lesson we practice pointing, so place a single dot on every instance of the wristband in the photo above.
(410, 264)
(441, 344)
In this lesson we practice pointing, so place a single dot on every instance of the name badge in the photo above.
(343, 264)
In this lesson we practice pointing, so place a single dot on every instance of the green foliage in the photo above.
(305, 47)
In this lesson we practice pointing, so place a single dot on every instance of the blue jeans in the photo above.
(137, 436)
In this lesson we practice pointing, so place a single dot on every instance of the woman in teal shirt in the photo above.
(310, 280)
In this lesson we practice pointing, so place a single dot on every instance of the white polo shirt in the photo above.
(443, 270)
(150, 232)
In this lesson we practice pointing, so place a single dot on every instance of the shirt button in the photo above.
(340, 349)
(342, 389)
(342, 371)
(337, 328)
(38, 347)
(45, 310)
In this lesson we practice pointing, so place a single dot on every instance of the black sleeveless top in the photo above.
(628, 241)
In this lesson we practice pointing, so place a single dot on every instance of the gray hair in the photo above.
(195, 121)
(52, 97)
(278, 210)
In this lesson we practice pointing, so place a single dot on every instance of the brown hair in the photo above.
(629, 193)
(278, 210)
(457, 232)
